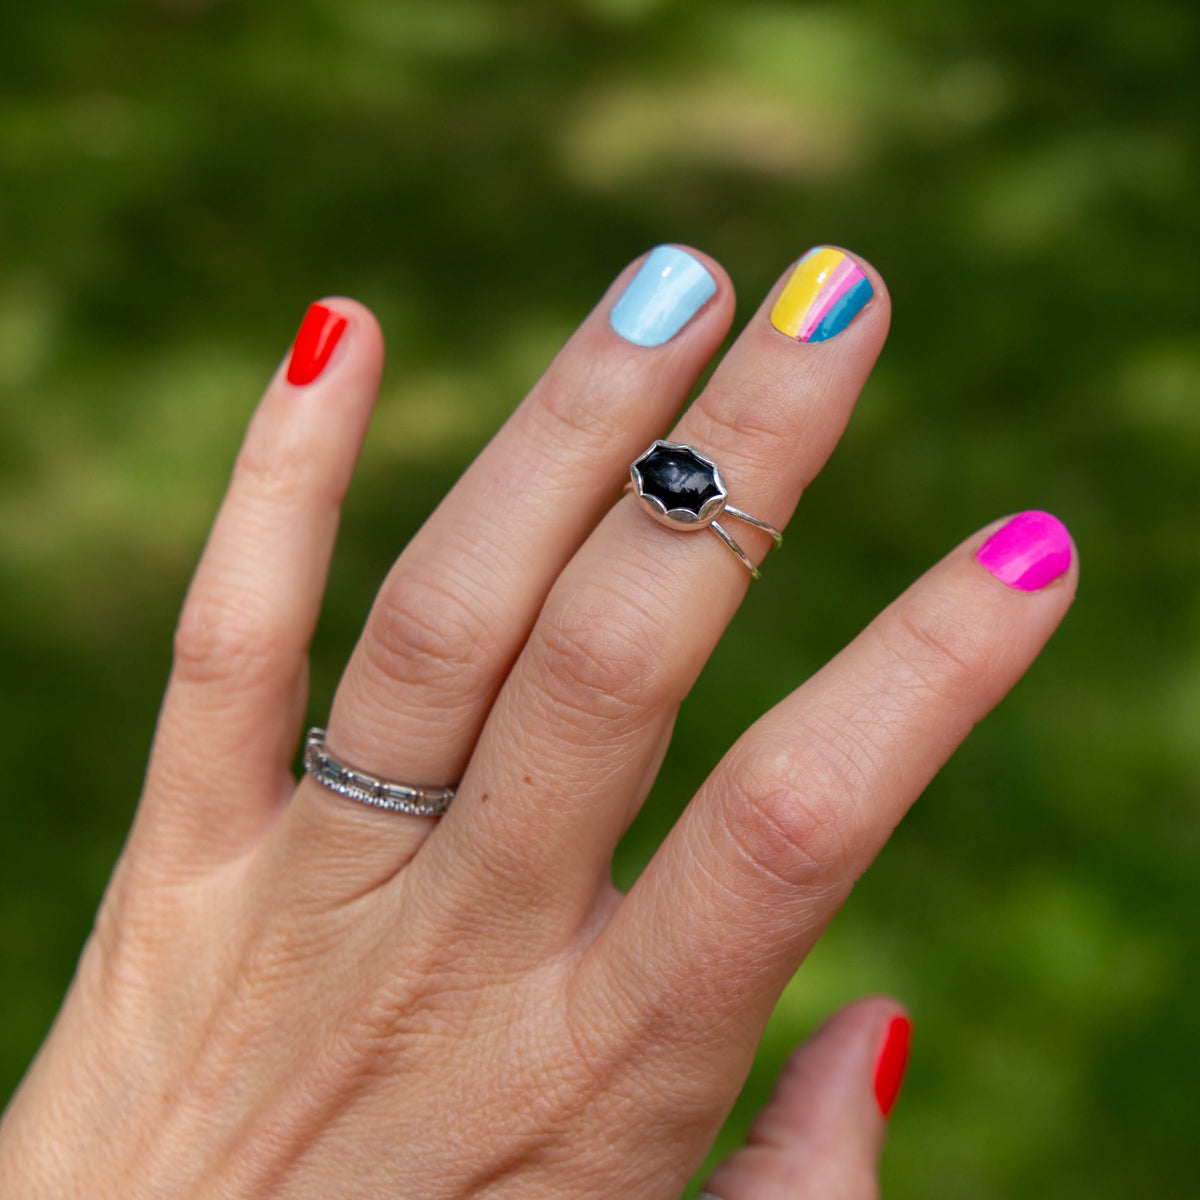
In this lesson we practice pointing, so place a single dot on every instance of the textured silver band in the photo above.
(366, 789)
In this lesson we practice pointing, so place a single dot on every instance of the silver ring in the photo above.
(679, 487)
(366, 789)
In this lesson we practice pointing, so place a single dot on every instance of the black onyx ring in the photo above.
(681, 488)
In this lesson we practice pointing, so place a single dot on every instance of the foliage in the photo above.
(179, 181)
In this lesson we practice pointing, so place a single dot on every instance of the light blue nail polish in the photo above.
(668, 291)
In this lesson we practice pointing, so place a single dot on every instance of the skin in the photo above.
(288, 994)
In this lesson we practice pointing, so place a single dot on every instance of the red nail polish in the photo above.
(315, 343)
(893, 1059)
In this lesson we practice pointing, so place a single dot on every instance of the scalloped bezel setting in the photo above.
(678, 486)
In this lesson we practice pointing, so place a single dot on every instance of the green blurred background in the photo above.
(178, 180)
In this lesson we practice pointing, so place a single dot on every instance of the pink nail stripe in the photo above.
(844, 277)
(1028, 552)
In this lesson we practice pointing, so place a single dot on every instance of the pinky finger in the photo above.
(822, 1132)
(220, 767)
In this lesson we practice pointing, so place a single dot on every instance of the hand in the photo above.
(291, 994)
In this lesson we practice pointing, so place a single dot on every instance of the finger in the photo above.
(823, 1130)
(627, 629)
(220, 767)
(459, 602)
(772, 844)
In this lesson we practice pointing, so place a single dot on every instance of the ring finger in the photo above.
(459, 602)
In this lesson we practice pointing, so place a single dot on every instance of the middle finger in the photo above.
(576, 733)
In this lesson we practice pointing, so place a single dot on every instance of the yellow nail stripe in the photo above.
(801, 291)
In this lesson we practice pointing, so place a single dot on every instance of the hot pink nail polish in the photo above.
(1030, 551)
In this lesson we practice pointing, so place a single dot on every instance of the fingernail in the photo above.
(1030, 551)
(892, 1061)
(319, 335)
(670, 288)
(824, 294)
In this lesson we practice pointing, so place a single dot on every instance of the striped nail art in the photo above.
(824, 294)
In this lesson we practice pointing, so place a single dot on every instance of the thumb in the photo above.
(822, 1132)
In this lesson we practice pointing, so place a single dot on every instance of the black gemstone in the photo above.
(678, 478)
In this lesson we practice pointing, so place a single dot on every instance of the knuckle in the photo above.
(431, 636)
(567, 404)
(940, 656)
(762, 415)
(275, 468)
(218, 639)
(407, 1017)
(790, 815)
(598, 665)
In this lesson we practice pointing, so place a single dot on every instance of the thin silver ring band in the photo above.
(367, 789)
(723, 534)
